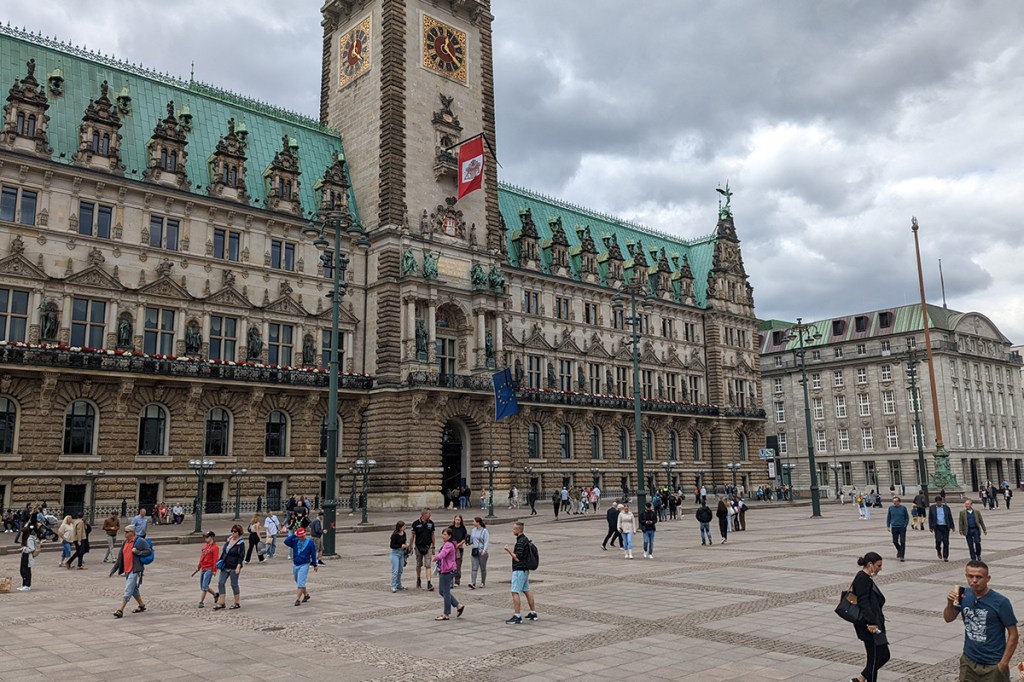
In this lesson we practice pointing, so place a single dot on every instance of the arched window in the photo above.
(648, 444)
(696, 447)
(743, 447)
(596, 443)
(79, 428)
(673, 446)
(277, 435)
(565, 441)
(153, 430)
(623, 444)
(8, 424)
(163, 158)
(218, 433)
(533, 441)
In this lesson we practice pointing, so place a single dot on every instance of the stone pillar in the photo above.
(179, 331)
(499, 342)
(431, 331)
(64, 333)
(110, 338)
(481, 334)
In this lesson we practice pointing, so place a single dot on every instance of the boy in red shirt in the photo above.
(207, 568)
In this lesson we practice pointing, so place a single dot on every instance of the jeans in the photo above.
(397, 564)
(111, 553)
(131, 585)
(627, 542)
(205, 577)
(649, 542)
(974, 543)
(899, 540)
(300, 573)
(723, 527)
(705, 531)
(78, 554)
(65, 551)
(272, 546)
(480, 562)
(942, 541)
(222, 580)
(444, 587)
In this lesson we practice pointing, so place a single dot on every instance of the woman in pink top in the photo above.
(448, 564)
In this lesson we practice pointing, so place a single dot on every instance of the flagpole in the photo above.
(487, 142)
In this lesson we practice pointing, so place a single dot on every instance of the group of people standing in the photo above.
(940, 522)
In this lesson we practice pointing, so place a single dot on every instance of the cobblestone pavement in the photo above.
(758, 607)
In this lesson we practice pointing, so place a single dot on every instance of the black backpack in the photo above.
(532, 556)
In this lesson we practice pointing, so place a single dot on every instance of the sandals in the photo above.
(235, 606)
(218, 607)
(459, 610)
(442, 618)
(140, 609)
(119, 614)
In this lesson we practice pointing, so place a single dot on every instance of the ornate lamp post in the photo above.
(363, 466)
(352, 494)
(489, 466)
(668, 466)
(788, 478)
(334, 220)
(200, 466)
(912, 359)
(805, 334)
(633, 290)
(93, 476)
(836, 468)
(595, 474)
(238, 475)
(733, 467)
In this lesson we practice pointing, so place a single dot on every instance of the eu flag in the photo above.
(505, 403)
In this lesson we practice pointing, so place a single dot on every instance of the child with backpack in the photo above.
(208, 557)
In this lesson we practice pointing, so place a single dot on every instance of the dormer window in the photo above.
(24, 118)
(167, 155)
(227, 165)
(838, 326)
(26, 125)
(281, 179)
(885, 319)
(98, 138)
(168, 160)
(860, 323)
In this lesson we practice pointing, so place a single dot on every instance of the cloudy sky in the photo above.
(833, 121)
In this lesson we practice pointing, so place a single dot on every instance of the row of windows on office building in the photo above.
(841, 408)
(624, 443)
(991, 436)
(81, 430)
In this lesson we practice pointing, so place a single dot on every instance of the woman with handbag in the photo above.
(627, 525)
(480, 540)
(29, 550)
(722, 512)
(460, 534)
(446, 560)
(230, 565)
(255, 526)
(399, 546)
(871, 628)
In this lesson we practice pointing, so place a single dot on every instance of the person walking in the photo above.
(423, 542)
(448, 567)
(627, 526)
(29, 542)
(79, 540)
(232, 557)
(141, 523)
(920, 510)
(531, 497)
(1007, 494)
(723, 519)
(480, 544)
(896, 520)
(209, 554)
(741, 513)
(111, 527)
(556, 503)
(649, 524)
(399, 550)
(871, 628)
(613, 527)
(129, 564)
(520, 576)
(271, 527)
(990, 626)
(66, 533)
(704, 516)
(255, 526)
(940, 522)
(316, 534)
(460, 534)
(972, 525)
(304, 555)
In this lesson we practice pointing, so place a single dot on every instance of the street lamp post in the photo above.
(352, 495)
(363, 467)
(200, 466)
(595, 474)
(804, 333)
(668, 466)
(92, 476)
(788, 467)
(733, 468)
(835, 474)
(489, 466)
(334, 218)
(238, 475)
(634, 289)
(912, 359)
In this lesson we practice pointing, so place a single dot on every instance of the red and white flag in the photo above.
(471, 166)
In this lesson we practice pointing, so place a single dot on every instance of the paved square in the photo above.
(759, 607)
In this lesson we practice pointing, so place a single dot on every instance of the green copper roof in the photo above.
(210, 107)
(699, 253)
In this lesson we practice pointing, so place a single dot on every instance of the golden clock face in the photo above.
(354, 57)
(444, 49)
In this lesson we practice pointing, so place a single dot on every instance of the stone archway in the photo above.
(454, 457)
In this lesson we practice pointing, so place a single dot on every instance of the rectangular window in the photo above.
(862, 375)
(780, 412)
(888, 402)
(817, 408)
(694, 389)
(959, 435)
(94, 220)
(8, 203)
(778, 361)
(892, 437)
(820, 444)
(783, 444)
(590, 313)
(88, 323)
(327, 260)
(13, 314)
(325, 348)
(867, 440)
(816, 380)
(815, 355)
(646, 384)
(777, 385)
(226, 244)
(533, 364)
(886, 373)
(445, 354)
(952, 368)
(895, 472)
(967, 400)
(279, 344)
(621, 379)
(837, 378)
(838, 352)
(863, 405)
(840, 401)
(565, 375)
(847, 473)
(914, 398)
(163, 233)
(158, 334)
(618, 319)
(667, 328)
(562, 308)
(843, 440)
(282, 255)
(690, 332)
(18, 202)
(956, 398)
(531, 302)
(594, 377)
(672, 386)
(862, 349)
(223, 338)
(870, 475)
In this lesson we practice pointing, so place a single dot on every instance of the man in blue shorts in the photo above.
(520, 576)
(990, 627)
(303, 556)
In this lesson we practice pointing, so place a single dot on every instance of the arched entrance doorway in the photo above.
(453, 458)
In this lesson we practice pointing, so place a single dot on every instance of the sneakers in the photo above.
(305, 598)
(419, 584)
(24, 588)
(514, 620)
(645, 555)
(430, 588)
(650, 556)
(532, 615)
(393, 590)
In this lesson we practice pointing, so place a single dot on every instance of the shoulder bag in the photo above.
(848, 609)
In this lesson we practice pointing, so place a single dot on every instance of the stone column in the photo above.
(481, 334)
(431, 331)
(64, 333)
(179, 331)
(110, 338)
(499, 342)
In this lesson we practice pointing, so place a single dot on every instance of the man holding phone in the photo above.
(990, 627)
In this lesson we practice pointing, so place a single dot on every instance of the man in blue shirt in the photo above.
(141, 523)
(972, 525)
(940, 522)
(990, 627)
(896, 520)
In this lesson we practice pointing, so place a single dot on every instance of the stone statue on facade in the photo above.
(193, 338)
(421, 340)
(124, 333)
(518, 373)
(581, 379)
(308, 350)
(552, 379)
(48, 321)
(254, 343)
(478, 276)
(430, 265)
(408, 263)
(496, 279)
(489, 347)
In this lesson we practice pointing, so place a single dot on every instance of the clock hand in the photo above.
(356, 53)
(447, 49)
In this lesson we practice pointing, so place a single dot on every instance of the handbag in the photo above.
(475, 552)
(848, 609)
(220, 564)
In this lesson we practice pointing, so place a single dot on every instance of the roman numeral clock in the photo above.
(355, 52)
(444, 49)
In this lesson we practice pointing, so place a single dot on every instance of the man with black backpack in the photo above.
(525, 558)
(704, 517)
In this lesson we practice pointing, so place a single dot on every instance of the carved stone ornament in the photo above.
(448, 220)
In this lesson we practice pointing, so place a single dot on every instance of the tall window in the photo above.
(594, 377)
(837, 378)
(867, 439)
(79, 428)
(9, 422)
(777, 385)
(623, 444)
(223, 337)
(818, 408)
(565, 442)
(895, 472)
(562, 308)
(862, 375)
(20, 203)
(533, 441)
(279, 343)
(13, 314)
(446, 356)
(565, 374)
(217, 442)
(621, 378)
(886, 373)
(325, 348)
(88, 322)
(843, 440)
(672, 386)
(596, 443)
(531, 302)
(863, 405)
(163, 233)
(152, 430)
(840, 401)
(276, 444)
(820, 443)
(870, 475)
(282, 255)
(533, 371)
(780, 411)
(695, 443)
(694, 388)
(888, 402)
(159, 331)
(648, 444)
(783, 443)
(94, 220)
(590, 314)
(226, 244)
(816, 380)
(673, 446)
(646, 384)
(744, 453)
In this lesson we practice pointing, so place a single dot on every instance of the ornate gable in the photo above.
(166, 152)
(672, 359)
(166, 288)
(537, 340)
(567, 345)
(99, 142)
(94, 276)
(345, 317)
(527, 238)
(595, 348)
(25, 120)
(333, 186)
(559, 246)
(228, 296)
(281, 179)
(16, 265)
(227, 166)
(286, 306)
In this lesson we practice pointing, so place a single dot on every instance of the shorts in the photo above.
(521, 581)
(131, 586)
(204, 579)
(300, 573)
(423, 558)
